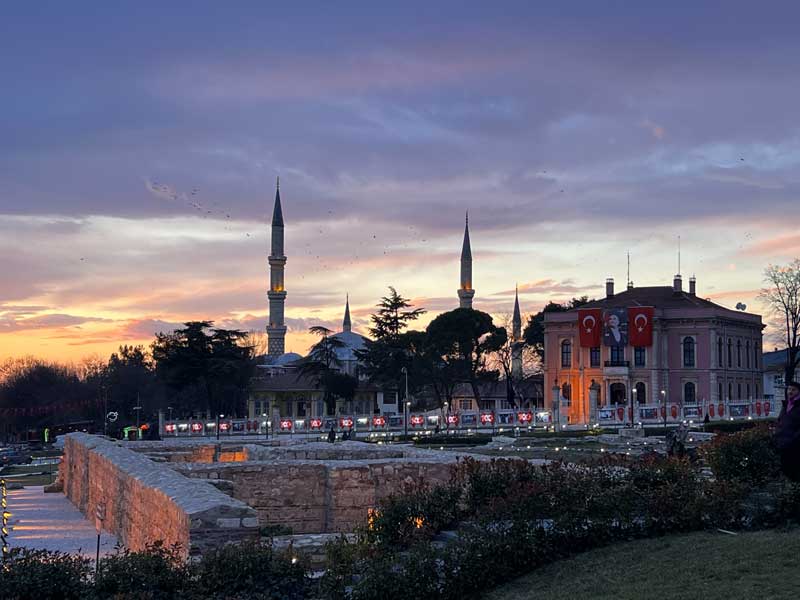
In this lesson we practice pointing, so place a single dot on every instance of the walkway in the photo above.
(51, 522)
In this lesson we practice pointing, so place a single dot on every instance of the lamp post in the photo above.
(266, 428)
(217, 427)
(634, 391)
(404, 371)
(664, 401)
(447, 414)
(405, 419)
(556, 407)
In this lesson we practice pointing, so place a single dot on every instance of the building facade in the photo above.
(699, 353)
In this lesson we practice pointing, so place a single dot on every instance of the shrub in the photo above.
(250, 570)
(42, 575)
(748, 456)
(458, 440)
(157, 572)
(416, 514)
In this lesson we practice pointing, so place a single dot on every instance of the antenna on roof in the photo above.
(629, 269)
(679, 255)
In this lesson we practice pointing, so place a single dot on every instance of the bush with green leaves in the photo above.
(251, 570)
(157, 572)
(748, 456)
(42, 575)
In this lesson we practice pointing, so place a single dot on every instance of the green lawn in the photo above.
(763, 565)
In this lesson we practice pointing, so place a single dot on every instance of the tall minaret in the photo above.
(346, 324)
(276, 330)
(465, 292)
(516, 339)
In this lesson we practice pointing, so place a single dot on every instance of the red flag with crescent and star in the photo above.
(640, 325)
(590, 325)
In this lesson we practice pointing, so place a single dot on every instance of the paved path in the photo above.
(51, 522)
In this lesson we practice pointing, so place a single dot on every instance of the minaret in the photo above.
(276, 330)
(465, 293)
(516, 339)
(346, 324)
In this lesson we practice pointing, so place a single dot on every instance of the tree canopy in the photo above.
(782, 296)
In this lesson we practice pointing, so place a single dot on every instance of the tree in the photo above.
(384, 357)
(460, 341)
(782, 296)
(202, 363)
(534, 330)
(129, 380)
(323, 366)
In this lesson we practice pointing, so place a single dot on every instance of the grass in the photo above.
(708, 565)
(22, 474)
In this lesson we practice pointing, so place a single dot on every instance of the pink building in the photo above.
(698, 354)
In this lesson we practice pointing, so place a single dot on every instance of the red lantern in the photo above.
(620, 413)
(711, 410)
(721, 408)
(766, 408)
(758, 408)
(673, 411)
(379, 421)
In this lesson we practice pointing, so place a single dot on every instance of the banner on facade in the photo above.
(589, 325)
(640, 321)
(615, 327)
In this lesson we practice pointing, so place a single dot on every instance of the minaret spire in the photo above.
(346, 324)
(465, 292)
(516, 338)
(276, 329)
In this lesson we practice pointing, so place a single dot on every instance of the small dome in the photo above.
(352, 342)
(285, 359)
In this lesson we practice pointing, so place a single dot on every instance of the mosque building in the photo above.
(279, 389)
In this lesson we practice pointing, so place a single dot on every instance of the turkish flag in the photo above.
(590, 324)
(640, 325)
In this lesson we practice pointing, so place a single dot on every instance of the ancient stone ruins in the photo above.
(198, 493)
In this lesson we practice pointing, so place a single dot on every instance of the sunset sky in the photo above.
(140, 142)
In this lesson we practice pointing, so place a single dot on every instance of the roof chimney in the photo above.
(677, 284)
(609, 287)
(692, 285)
(630, 285)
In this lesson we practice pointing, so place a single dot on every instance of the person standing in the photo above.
(787, 433)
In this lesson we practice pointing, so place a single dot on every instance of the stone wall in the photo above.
(147, 501)
(322, 496)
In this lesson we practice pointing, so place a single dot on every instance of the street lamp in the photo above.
(266, 428)
(633, 405)
(446, 415)
(217, 427)
(405, 413)
(664, 401)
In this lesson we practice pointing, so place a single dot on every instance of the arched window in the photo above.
(747, 353)
(739, 353)
(566, 353)
(719, 354)
(689, 395)
(688, 351)
(641, 393)
(566, 393)
(730, 352)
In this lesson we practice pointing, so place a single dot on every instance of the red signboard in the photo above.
(224, 426)
(197, 426)
(487, 418)
(721, 409)
(640, 325)
(590, 325)
(170, 427)
(452, 419)
(379, 421)
(286, 424)
(673, 411)
(758, 408)
(620, 413)
(346, 422)
(766, 408)
(525, 417)
(711, 410)
(417, 420)
(316, 423)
